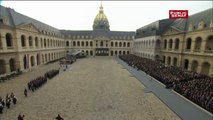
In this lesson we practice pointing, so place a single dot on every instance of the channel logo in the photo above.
(178, 14)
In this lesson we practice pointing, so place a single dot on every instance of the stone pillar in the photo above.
(7, 66)
(192, 45)
(203, 46)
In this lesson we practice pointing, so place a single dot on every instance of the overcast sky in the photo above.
(122, 15)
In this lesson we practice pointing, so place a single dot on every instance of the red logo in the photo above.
(178, 13)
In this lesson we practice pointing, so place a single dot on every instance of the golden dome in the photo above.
(101, 21)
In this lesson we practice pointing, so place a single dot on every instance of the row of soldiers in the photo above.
(7, 102)
(36, 83)
(51, 74)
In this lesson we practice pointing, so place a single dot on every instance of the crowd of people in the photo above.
(7, 102)
(194, 86)
(51, 74)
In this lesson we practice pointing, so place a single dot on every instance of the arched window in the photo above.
(23, 40)
(170, 44)
(124, 44)
(67, 43)
(74, 43)
(165, 44)
(87, 44)
(36, 41)
(91, 43)
(188, 43)
(120, 44)
(169, 61)
(30, 41)
(112, 44)
(82, 43)
(177, 43)
(198, 41)
(209, 43)
(116, 44)
(128, 44)
(78, 43)
(45, 44)
(9, 40)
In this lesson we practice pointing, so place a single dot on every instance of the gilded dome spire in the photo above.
(101, 21)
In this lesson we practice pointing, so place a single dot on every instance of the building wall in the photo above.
(116, 47)
(195, 51)
(147, 47)
(27, 48)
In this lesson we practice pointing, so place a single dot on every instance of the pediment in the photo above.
(28, 27)
(172, 30)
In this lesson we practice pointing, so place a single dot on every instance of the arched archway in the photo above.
(174, 61)
(111, 53)
(116, 53)
(194, 66)
(25, 62)
(32, 61)
(205, 68)
(119, 52)
(38, 59)
(2, 66)
(91, 52)
(0, 41)
(87, 52)
(169, 60)
(157, 57)
(186, 64)
(12, 63)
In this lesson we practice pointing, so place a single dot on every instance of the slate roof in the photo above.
(183, 24)
(155, 28)
(16, 19)
(160, 26)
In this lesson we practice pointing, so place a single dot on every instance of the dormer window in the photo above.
(190, 27)
(211, 24)
(201, 24)
(4, 20)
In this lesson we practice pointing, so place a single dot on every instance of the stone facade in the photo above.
(27, 43)
(186, 43)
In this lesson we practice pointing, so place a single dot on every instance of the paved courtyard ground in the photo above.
(91, 89)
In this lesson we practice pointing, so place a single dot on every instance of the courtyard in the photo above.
(94, 88)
